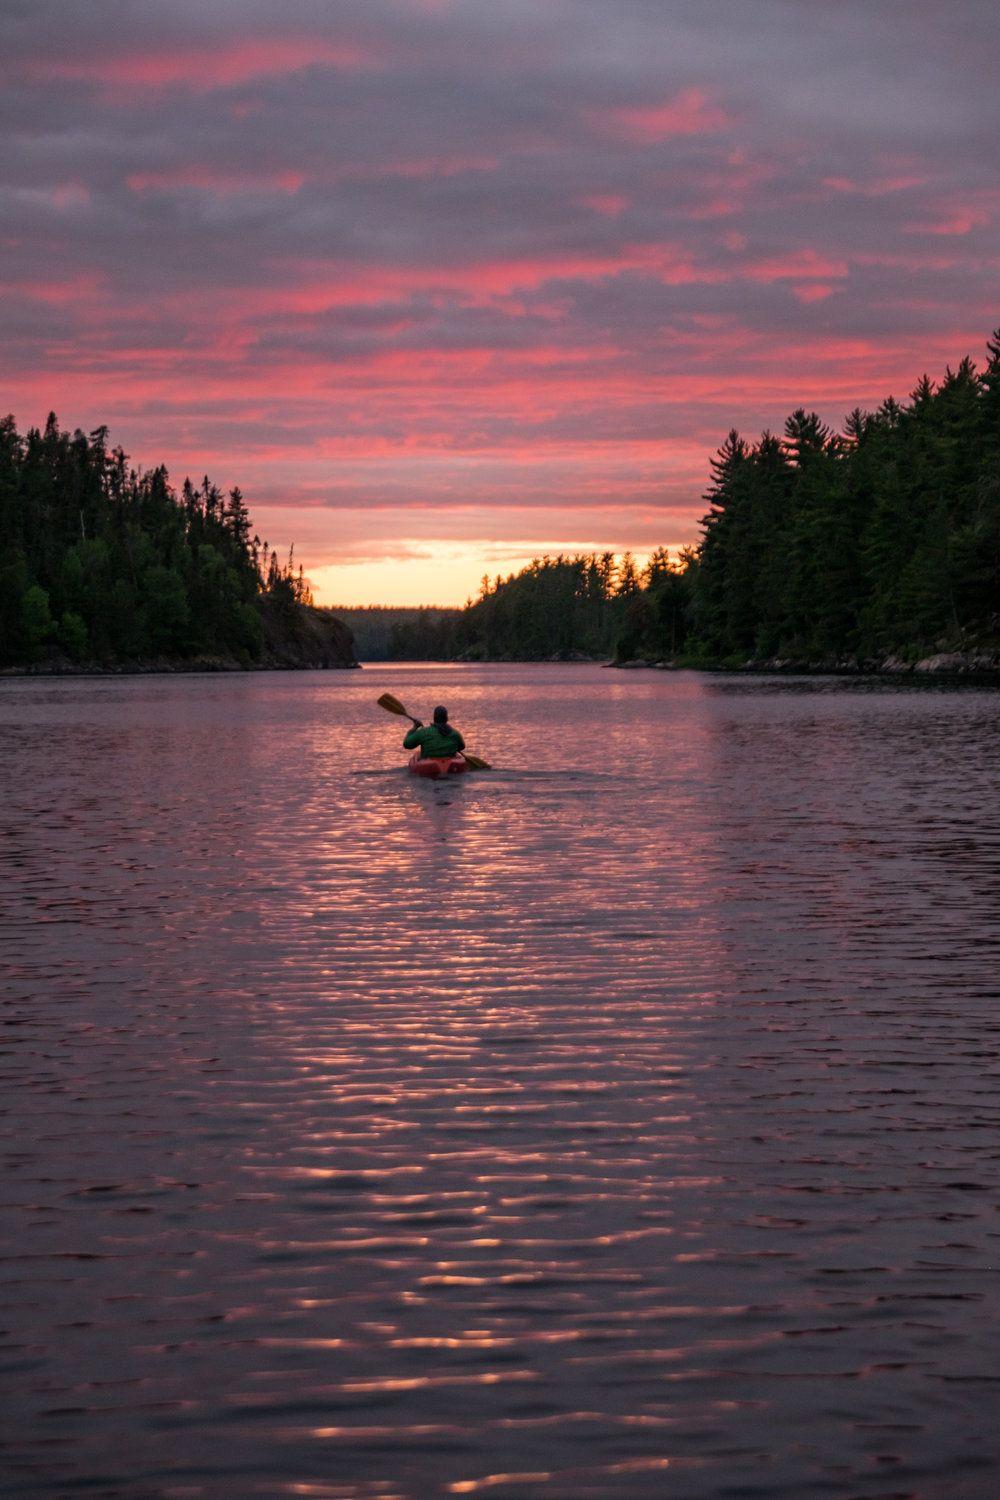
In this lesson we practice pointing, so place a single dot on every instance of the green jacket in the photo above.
(434, 743)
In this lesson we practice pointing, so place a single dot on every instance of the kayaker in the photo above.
(437, 741)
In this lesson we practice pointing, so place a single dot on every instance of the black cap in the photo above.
(440, 715)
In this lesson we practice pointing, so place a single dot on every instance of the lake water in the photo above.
(621, 1123)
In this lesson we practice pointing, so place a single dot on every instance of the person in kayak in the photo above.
(437, 741)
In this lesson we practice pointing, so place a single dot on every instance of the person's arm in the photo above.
(461, 742)
(415, 737)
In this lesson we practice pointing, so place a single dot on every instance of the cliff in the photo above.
(304, 636)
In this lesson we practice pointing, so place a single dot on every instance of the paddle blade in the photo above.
(392, 705)
(476, 762)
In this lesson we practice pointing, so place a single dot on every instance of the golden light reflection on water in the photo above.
(592, 1128)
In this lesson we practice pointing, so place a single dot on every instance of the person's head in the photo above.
(440, 715)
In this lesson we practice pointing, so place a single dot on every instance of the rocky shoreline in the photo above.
(305, 639)
(980, 663)
(167, 666)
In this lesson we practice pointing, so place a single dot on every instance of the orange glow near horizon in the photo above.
(438, 574)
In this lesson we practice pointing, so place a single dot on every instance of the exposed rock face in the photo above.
(960, 661)
(894, 664)
(304, 637)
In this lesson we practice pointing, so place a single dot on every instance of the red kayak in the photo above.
(430, 765)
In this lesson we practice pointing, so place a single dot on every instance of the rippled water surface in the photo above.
(621, 1123)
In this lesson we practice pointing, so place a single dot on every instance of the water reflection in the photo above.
(620, 1124)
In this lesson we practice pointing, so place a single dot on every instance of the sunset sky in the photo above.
(446, 283)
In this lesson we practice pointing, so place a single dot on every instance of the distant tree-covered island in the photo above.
(104, 566)
(874, 548)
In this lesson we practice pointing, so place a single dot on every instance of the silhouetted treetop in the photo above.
(104, 562)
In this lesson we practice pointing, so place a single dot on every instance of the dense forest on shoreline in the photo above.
(564, 608)
(822, 548)
(105, 564)
(882, 539)
(880, 542)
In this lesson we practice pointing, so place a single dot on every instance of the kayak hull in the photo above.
(434, 766)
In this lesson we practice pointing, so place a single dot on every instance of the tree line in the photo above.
(817, 546)
(881, 539)
(583, 606)
(107, 563)
(378, 628)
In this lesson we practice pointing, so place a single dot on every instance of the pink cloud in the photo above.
(687, 113)
(961, 221)
(877, 187)
(798, 265)
(715, 208)
(202, 69)
(69, 194)
(608, 205)
(315, 289)
(898, 184)
(74, 290)
(213, 180)
(418, 168)
(841, 185)
(815, 291)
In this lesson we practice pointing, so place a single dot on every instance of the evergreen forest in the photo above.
(105, 563)
(818, 547)
(560, 607)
